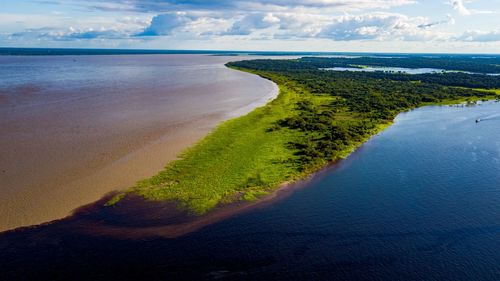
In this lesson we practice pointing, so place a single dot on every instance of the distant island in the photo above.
(320, 116)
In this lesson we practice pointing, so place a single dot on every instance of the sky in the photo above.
(425, 26)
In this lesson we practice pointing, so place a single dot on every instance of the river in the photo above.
(419, 201)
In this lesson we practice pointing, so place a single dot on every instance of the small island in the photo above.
(319, 117)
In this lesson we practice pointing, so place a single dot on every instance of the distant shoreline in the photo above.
(14, 51)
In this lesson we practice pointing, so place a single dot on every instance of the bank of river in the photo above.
(419, 201)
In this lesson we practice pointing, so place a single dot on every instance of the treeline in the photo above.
(461, 63)
(380, 98)
(358, 103)
(457, 79)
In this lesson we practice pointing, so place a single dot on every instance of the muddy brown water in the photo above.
(74, 128)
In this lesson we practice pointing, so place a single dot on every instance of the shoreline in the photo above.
(98, 219)
(176, 222)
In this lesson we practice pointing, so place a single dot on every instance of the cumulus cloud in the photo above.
(252, 22)
(195, 24)
(369, 26)
(336, 20)
(164, 24)
(480, 36)
(379, 26)
(278, 25)
(372, 26)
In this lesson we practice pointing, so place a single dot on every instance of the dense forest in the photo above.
(471, 64)
(361, 101)
(315, 66)
(479, 65)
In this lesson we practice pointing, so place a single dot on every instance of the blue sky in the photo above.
(457, 26)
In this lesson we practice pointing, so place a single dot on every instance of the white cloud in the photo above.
(252, 22)
(277, 25)
(459, 6)
(380, 26)
(480, 36)
(275, 21)
(164, 24)
(373, 26)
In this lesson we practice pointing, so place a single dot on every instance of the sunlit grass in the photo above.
(241, 160)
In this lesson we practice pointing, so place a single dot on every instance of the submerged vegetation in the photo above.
(319, 116)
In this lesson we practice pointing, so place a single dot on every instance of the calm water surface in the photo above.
(73, 128)
(420, 201)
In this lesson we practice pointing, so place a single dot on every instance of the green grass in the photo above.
(243, 158)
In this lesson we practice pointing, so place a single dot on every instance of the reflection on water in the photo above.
(420, 201)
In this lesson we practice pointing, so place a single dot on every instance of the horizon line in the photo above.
(211, 51)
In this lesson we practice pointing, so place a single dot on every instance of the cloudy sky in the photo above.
(458, 26)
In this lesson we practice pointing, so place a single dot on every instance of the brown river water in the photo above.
(74, 128)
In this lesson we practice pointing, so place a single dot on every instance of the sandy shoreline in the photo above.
(49, 172)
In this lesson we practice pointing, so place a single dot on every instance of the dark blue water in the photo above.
(420, 201)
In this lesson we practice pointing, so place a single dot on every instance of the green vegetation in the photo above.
(447, 62)
(318, 117)
(314, 66)
(241, 160)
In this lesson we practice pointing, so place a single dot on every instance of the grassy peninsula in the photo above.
(319, 116)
